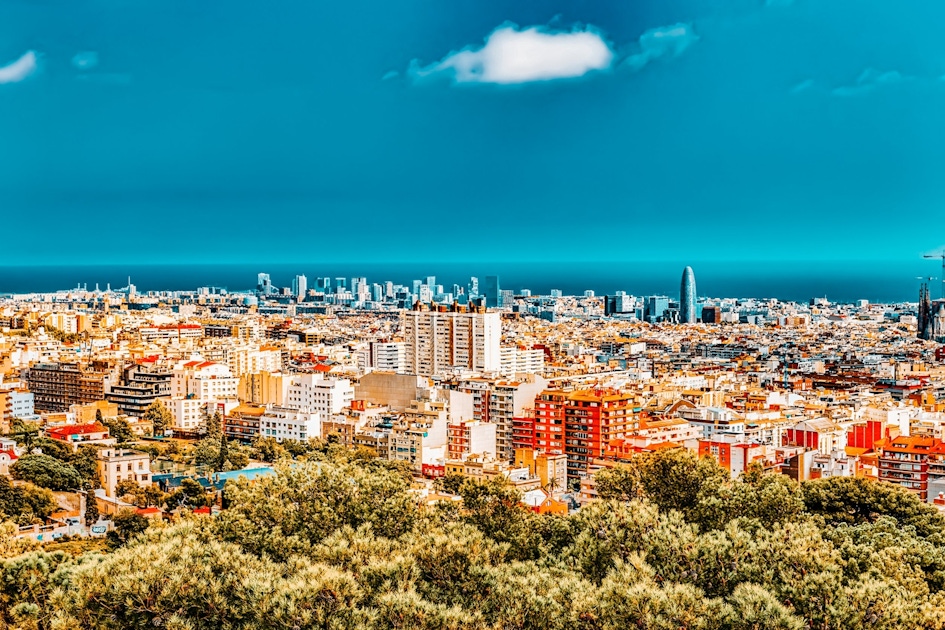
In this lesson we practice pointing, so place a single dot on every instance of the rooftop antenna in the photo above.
(942, 256)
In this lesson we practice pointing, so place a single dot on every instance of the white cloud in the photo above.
(870, 80)
(511, 56)
(664, 41)
(85, 60)
(803, 86)
(19, 69)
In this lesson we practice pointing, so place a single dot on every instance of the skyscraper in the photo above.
(493, 292)
(299, 287)
(687, 298)
(264, 284)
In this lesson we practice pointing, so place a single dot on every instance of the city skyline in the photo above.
(736, 118)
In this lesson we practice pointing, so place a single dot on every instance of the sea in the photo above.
(799, 281)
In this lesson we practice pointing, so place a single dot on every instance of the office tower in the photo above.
(263, 284)
(299, 287)
(430, 281)
(712, 315)
(341, 284)
(493, 292)
(474, 287)
(442, 341)
(589, 293)
(323, 284)
(556, 293)
(656, 306)
(687, 298)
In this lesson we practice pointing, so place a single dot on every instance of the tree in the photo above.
(92, 514)
(25, 433)
(46, 472)
(25, 503)
(126, 525)
(223, 462)
(189, 495)
(159, 416)
(214, 427)
(119, 429)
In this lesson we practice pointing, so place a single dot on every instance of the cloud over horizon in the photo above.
(19, 69)
(512, 56)
(662, 42)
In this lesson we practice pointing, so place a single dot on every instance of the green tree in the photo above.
(622, 482)
(214, 427)
(26, 585)
(46, 472)
(159, 416)
(119, 429)
(25, 503)
(24, 432)
(126, 525)
(189, 495)
(307, 501)
(223, 461)
(92, 514)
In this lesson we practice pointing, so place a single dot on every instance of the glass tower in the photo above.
(687, 297)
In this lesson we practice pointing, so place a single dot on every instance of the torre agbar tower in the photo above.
(687, 297)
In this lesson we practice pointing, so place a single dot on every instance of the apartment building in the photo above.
(116, 465)
(56, 386)
(442, 341)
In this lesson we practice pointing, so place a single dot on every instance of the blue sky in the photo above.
(181, 131)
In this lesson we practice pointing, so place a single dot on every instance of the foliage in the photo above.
(159, 416)
(25, 503)
(189, 495)
(339, 541)
(47, 472)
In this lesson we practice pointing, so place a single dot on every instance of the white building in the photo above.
(199, 389)
(445, 341)
(283, 423)
(384, 356)
(518, 360)
(315, 393)
(115, 465)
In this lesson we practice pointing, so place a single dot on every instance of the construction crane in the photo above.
(942, 256)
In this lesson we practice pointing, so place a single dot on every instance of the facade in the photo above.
(592, 418)
(56, 386)
(115, 465)
(687, 298)
(493, 292)
(76, 435)
(441, 341)
(385, 356)
(15, 403)
(315, 393)
(731, 454)
(283, 423)
(137, 390)
(905, 461)
(467, 438)
(520, 360)
(243, 423)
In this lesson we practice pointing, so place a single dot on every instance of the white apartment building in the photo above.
(384, 356)
(445, 341)
(115, 465)
(253, 359)
(204, 380)
(199, 388)
(283, 423)
(517, 360)
(315, 393)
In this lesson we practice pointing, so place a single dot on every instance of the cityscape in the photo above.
(472, 315)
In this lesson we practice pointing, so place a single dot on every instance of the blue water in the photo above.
(839, 282)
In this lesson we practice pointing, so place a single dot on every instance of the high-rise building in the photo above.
(474, 287)
(925, 313)
(687, 298)
(444, 340)
(264, 284)
(299, 287)
(493, 292)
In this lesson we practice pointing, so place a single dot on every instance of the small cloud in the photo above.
(390, 75)
(870, 80)
(19, 69)
(803, 86)
(512, 56)
(85, 60)
(662, 42)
